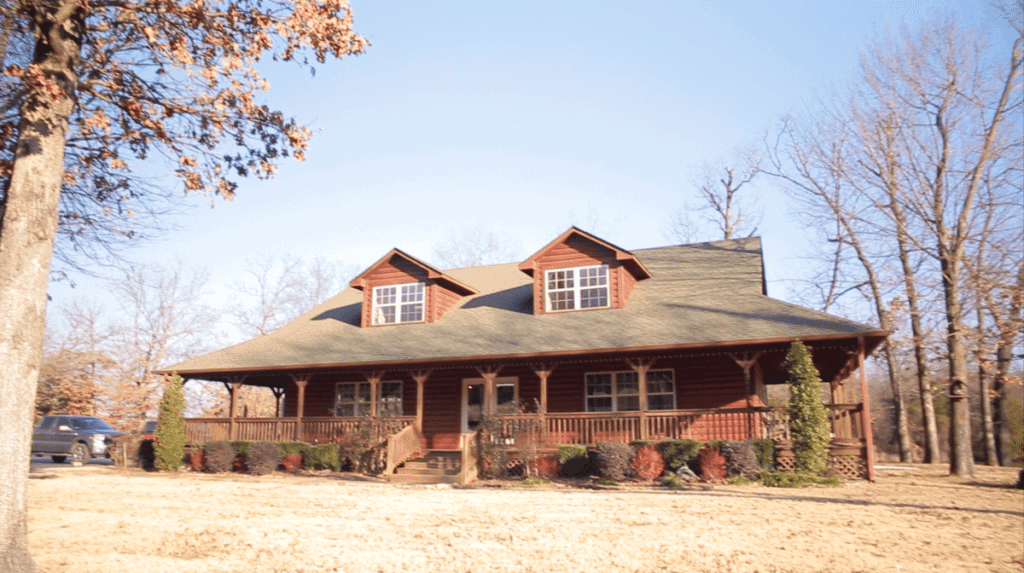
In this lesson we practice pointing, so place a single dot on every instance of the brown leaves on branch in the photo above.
(176, 82)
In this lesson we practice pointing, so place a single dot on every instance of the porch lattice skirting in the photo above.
(845, 458)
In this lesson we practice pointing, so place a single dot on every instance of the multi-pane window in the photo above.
(398, 303)
(620, 391)
(577, 288)
(353, 399)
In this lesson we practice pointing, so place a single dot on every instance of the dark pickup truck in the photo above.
(78, 437)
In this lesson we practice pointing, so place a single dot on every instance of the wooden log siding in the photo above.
(577, 252)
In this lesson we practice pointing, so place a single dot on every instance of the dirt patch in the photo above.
(99, 519)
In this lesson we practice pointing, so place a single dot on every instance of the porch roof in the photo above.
(703, 294)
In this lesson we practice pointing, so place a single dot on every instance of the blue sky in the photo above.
(524, 118)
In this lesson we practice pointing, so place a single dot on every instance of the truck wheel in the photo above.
(59, 459)
(80, 453)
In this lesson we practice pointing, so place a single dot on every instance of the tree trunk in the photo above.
(1004, 357)
(961, 452)
(26, 247)
(985, 395)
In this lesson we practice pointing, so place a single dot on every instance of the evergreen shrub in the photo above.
(169, 438)
(292, 448)
(263, 458)
(808, 418)
(765, 451)
(613, 460)
(241, 447)
(321, 457)
(678, 453)
(219, 457)
(573, 460)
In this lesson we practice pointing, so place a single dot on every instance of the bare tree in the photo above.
(274, 291)
(722, 200)
(924, 140)
(472, 248)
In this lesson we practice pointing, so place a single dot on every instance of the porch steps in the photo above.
(434, 466)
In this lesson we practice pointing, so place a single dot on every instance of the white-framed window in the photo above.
(576, 288)
(398, 303)
(352, 399)
(620, 391)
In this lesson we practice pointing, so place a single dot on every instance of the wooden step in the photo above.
(434, 466)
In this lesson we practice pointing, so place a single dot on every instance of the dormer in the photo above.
(401, 289)
(578, 271)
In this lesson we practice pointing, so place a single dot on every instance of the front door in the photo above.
(472, 406)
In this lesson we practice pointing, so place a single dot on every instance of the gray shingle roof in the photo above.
(707, 293)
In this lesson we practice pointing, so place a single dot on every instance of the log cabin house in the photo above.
(586, 340)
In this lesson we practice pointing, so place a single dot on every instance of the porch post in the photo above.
(746, 362)
(374, 379)
(300, 383)
(489, 374)
(865, 411)
(278, 395)
(233, 384)
(543, 371)
(641, 368)
(420, 376)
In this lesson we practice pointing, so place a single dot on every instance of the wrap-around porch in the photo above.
(603, 398)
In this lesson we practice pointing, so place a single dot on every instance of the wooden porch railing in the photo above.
(701, 425)
(549, 429)
(313, 430)
(402, 446)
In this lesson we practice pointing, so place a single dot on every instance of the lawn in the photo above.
(100, 519)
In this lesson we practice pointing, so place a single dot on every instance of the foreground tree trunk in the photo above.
(26, 245)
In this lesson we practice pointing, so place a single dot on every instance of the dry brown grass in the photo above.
(98, 519)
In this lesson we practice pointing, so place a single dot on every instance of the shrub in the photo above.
(292, 448)
(793, 480)
(647, 464)
(741, 459)
(613, 460)
(678, 453)
(241, 447)
(169, 438)
(573, 460)
(808, 419)
(765, 452)
(711, 463)
(263, 458)
(147, 455)
(321, 457)
(219, 457)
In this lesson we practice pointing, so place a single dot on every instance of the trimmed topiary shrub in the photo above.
(573, 460)
(678, 453)
(711, 463)
(808, 418)
(169, 438)
(263, 458)
(613, 460)
(321, 457)
(741, 459)
(765, 452)
(647, 464)
(219, 457)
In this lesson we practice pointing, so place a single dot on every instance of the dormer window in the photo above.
(577, 288)
(398, 303)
